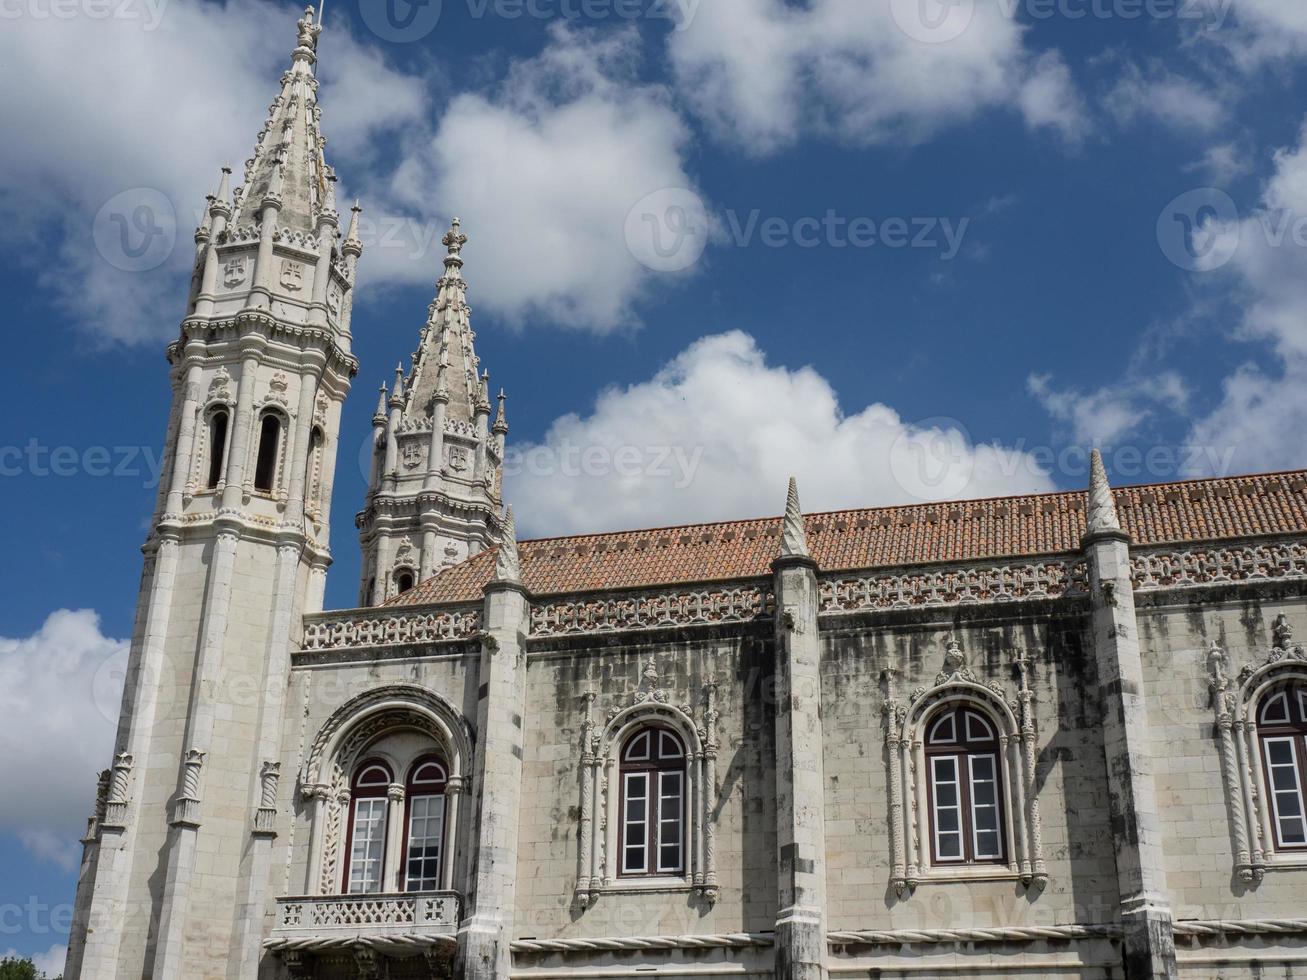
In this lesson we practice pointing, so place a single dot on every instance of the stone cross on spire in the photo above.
(1101, 513)
(794, 541)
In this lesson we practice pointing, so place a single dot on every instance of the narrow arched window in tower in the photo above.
(964, 780)
(217, 447)
(1282, 729)
(313, 469)
(424, 830)
(652, 804)
(265, 466)
(403, 582)
(366, 844)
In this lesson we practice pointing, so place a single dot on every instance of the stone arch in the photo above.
(346, 738)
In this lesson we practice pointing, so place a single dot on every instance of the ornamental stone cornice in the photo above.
(269, 327)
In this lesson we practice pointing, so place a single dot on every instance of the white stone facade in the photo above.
(1121, 681)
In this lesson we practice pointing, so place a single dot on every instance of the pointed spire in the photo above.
(1101, 515)
(288, 168)
(483, 395)
(508, 564)
(501, 423)
(222, 199)
(353, 244)
(794, 541)
(397, 398)
(379, 417)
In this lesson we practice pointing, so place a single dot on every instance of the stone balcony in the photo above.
(402, 924)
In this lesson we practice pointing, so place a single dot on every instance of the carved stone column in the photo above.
(801, 952)
(1132, 798)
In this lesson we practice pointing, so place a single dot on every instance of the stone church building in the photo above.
(1061, 735)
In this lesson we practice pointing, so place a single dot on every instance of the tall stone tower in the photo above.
(437, 462)
(176, 863)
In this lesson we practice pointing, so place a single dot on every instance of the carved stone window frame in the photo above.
(600, 769)
(343, 742)
(905, 737)
(202, 448)
(1236, 703)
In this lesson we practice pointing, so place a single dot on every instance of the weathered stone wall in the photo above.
(1175, 637)
(558, 678)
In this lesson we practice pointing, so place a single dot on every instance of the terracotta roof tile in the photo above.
(961, 531)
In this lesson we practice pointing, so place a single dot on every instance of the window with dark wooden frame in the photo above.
(366, 842)
(652, 826)
(964, 781)
(1282, 731)
(424, 826)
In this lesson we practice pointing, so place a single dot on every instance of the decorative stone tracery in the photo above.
(1235, 702)
(649, 702)
(905, 734)
(343, 741)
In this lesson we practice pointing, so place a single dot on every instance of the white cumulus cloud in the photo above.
(717, 431)
(544, 170)
(762, 72)
(59, 696)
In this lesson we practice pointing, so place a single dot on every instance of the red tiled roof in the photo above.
(961, 531)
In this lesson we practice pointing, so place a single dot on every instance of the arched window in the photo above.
(403, 581)
(366, 845)
(964, 782)
(217, 446)
(265, 466)
(424, 830)
(652, 804)
(313, 469)
(1282, 729)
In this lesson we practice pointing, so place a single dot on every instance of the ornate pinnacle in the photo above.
(352, 242)
(1102, 508)
(308, 31)
(794, 540)
(508, 564)
(483, 394)
(501, 423)
(454, 239)
(397, 399)
(379, 418)
(222, 199)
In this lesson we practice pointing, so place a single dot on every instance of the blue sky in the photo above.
(1082, 221)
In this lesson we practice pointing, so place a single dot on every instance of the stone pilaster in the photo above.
(1132, 798)
(800, 784)
(485, 935)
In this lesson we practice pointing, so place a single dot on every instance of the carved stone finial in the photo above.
(794, 540)
(1101, 515)
(1283, 632)
(508, 563)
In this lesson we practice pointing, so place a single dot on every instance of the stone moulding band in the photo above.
(897, 937)
(376, 629)
(737, 603)
(1240, 927)
(839, 593)
(731, 940)
(405, 944)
